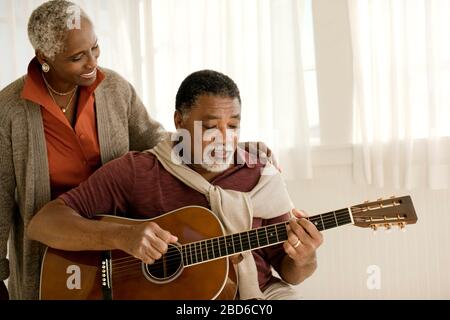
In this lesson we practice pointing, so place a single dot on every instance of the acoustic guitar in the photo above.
(198, 266)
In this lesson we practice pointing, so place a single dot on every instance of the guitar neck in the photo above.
(219, 247)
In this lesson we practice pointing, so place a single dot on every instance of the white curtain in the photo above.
(116, 25)
(258, 44)
(401, 92)
(156, 44)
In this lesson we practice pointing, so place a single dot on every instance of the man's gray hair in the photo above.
(49, 23)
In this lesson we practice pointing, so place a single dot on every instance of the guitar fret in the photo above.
(329, 220)
(334, 213)
(223, 246)
(282, 231)
(236, 242)
(272, 235)
(198, 252)
(257, 238)
(230, 245)
(201, 251)
(328, 215)
(194, 255)
(267, 236)
(252, 237)
(335, 219)
(206, 250)
(240, 241)
(233, 245)
(345, 217)
(198, 257)
(314, 221)
(329, 225)
(209, 249)
(276, 232)
(245, 243)
(263, 241)
(190, 251)
(216, 247)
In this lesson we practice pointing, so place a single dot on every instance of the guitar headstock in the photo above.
(395, 211)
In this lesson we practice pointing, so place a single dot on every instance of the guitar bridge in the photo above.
(106, 267)
(106, 275)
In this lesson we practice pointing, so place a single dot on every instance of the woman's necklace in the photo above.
(65, 108)
(56, 92)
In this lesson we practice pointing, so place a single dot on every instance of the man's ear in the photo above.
(178, 119)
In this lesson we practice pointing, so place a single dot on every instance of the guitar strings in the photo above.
(174, 264)
(327, 218)
(196, 249)
(133, 272)
(329, 221)
(175, 258)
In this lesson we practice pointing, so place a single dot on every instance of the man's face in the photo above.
(213, 123)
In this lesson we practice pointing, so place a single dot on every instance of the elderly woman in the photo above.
(58, 124)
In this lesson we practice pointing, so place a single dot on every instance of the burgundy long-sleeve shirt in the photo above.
(136, 185)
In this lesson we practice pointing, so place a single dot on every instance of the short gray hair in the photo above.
(48, 24)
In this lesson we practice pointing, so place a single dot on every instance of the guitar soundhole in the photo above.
(167, 268)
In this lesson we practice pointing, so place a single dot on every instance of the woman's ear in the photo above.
(41, 58)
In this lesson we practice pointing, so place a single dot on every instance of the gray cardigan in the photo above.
(123, 125)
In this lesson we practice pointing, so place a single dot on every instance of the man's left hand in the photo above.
(303, 240)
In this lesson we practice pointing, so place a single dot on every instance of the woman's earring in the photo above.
(45, 67)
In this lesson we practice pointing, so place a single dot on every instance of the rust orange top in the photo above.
(73, 152)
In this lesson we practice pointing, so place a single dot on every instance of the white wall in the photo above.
(334, 70)
(413, 264)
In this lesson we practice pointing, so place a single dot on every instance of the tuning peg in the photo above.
(374, 228)
(402, 226)
(388, 227)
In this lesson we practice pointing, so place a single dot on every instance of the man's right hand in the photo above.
(3, 291)
(145, 241)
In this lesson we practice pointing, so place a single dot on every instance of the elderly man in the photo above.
(205, 169)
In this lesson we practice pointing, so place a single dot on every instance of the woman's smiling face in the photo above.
(77, 63)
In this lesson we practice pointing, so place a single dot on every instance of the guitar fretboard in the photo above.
(214, 248)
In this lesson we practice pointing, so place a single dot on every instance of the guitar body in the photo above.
(80, 275)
